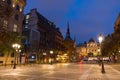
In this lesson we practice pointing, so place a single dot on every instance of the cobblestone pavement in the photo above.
(63, 71)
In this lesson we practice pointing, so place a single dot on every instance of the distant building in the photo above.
(89, 49)
(46, 36)
(81, 49)
(13, 23)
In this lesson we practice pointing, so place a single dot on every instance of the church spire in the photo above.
(68, 32)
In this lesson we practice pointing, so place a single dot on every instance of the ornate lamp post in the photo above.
(51, 52)
(16, 46)
(100, 38)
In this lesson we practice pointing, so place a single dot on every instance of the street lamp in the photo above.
(16, 46)
(51, 52)
(100, 38)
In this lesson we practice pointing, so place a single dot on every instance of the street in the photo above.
(61, 71)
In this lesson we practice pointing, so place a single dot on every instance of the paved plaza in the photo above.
(62, 71)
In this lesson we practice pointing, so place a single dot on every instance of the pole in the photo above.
(51, 59)
(14, 65)
(100, 38)
(103, 69)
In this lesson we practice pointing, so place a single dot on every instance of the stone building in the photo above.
(48, 36)
(12, 23)
(89, 49)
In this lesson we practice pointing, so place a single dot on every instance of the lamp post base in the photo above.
(103, 69)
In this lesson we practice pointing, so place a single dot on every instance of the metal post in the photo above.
(14, 64)
(102, 69)
(100, 38)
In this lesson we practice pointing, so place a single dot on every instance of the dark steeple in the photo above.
(68, 32)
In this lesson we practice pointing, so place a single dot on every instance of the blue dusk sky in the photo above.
(87, 18)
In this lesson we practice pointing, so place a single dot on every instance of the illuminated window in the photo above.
(27, 16)
(20, 9)
(15, 28)
(26, 21)
(5, 23)
(13, 5)
(26, 26)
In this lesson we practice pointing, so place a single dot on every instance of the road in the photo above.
(63, 71)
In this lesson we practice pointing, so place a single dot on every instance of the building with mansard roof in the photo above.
(91, 48)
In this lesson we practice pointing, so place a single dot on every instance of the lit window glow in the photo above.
(15, 28)
(20, 9)
(13, 5)
(27, 16)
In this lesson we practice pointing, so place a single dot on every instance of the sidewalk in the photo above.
(115, 66)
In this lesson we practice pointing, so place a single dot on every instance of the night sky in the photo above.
(87, 18)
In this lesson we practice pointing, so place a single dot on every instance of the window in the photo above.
(17, 7)
(5, 23)
(26, 21)
(9, 2)
(26, 26)
(15, 28)
(20, 9)
(13, 5)
(16, 17)
(27, 16)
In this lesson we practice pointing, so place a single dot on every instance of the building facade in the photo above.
(11, 21)
(50, 37)
(14, 22)
(89, 49)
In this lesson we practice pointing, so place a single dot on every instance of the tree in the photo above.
(5, 35)
(70, 48)
(107, 45)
